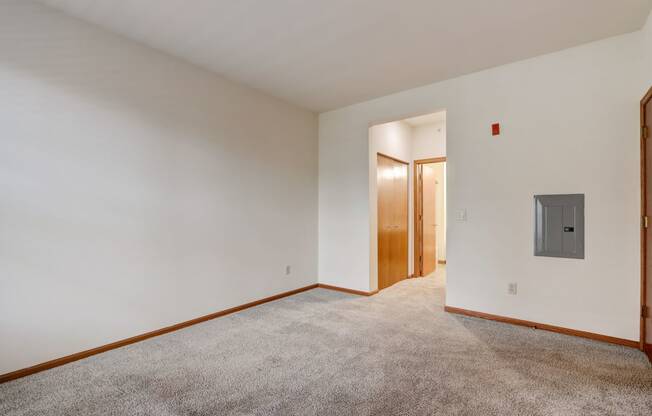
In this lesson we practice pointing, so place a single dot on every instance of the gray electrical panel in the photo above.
(559, 226)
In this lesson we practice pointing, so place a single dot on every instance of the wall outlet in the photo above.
(288, 270)
(512, 288)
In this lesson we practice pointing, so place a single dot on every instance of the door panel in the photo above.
(401, 221)
(429, 237)
(392, 180)
(385, 189)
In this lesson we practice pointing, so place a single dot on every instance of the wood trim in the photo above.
(643, 238)
(417, 266)
(441, 261)
(430, 160)
(84, 354)
(648, 351)
(545, 327)
(418, 226)
(647, 97)
(393, 158)
(345, 290)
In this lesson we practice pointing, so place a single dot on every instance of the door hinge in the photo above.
(644, 221)
(644, 132)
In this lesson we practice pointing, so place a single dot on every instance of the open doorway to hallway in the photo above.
(407, 168)
(429, 215)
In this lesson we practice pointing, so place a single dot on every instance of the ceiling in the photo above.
(325, 54)
(432, 118)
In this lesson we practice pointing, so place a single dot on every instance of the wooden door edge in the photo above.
(643, 239)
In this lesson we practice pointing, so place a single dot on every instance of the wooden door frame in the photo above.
(644, 307)
(407, 214)
(418, 207)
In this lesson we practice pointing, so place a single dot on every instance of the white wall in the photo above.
(392, 139)
(440, 210)
(137, 191)
(647, 33)
(570, 124)
(429, 140)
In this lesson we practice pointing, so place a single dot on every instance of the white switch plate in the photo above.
(461, 214)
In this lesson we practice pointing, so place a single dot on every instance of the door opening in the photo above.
(394, 147)
(429, 214)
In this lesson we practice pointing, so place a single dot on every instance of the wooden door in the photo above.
(429, 237)
(646, 179)
(385, 224)
(400, 235)
(392, 180)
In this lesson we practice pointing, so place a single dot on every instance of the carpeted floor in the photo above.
(329, 353)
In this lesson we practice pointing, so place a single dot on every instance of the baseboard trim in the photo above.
(84, 354)
(345, 290)
(545, 327)
(88, 353)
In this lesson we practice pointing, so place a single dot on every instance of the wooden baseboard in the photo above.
(441, 261)
(648, 351)
(84, 354)
(545, 327)
(345, 290)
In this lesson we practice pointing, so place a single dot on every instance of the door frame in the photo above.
(407, 215)
(418, 209)
(644, 307)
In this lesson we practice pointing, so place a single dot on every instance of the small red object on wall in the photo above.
(495, 129)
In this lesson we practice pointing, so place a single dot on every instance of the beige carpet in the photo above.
(328, 353)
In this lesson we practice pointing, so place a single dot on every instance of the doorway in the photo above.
(646, 227)
(429, 215)
(392, 177)
(393, 148)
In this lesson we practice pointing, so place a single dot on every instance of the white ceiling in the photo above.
(432, 118)
(324, 54)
